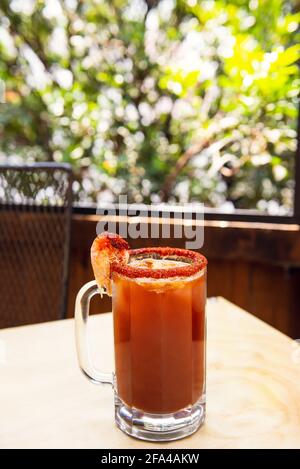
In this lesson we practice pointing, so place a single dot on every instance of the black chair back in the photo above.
(35, 216)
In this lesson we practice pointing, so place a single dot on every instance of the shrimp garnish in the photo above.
(107, 248)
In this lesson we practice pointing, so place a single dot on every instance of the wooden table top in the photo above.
(253, 387)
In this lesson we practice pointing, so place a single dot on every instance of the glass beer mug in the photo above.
(158, 302)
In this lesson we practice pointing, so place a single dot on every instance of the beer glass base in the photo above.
(159, 427)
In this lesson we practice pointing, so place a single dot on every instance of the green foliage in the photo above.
(164, 100)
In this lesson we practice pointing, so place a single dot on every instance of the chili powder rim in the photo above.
(197, 262)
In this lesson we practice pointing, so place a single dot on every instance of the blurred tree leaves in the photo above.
(164, 100)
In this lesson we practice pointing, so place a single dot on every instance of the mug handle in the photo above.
(82, 307)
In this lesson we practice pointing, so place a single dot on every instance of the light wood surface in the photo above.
(253, 387)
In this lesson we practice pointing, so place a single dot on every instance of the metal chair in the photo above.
(35, 215)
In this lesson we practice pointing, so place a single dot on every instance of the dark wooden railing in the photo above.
(254, 265)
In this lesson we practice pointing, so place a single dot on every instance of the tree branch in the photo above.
(33, 45)
(183, 160)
